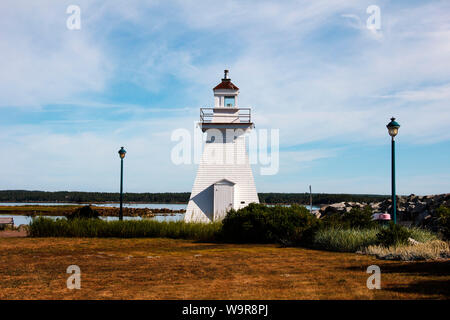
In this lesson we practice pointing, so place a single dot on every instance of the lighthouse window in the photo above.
(229, 101)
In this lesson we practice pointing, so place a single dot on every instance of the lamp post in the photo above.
(393, 130)
(310, 199)
(121, 155)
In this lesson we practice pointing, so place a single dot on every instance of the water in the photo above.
(18, 219)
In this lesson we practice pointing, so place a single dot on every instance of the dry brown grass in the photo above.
(34, 268)
(430, 250)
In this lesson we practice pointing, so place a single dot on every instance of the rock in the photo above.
(413, 242)
(375, 206)
(340, 205)
(316, 213)
(412, 209)
(418, 208)
(333, 208)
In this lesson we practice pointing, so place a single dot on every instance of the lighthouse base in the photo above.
(221, 186)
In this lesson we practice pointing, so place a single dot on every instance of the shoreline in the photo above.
(64, 210)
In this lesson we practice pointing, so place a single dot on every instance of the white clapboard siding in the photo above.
(223, 161)
(215, 167)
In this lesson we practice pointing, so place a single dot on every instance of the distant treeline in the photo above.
(174, 197)
(78, 197)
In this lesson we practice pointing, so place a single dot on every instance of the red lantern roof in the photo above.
(226, 83)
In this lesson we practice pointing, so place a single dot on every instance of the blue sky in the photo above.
(138, 70)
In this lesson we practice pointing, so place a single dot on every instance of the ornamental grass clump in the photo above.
(431, 250)
(422, 235)
(344, 240)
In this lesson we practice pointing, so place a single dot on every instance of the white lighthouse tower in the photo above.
(224, 179)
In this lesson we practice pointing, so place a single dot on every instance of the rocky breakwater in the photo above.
(128, 212)
(95, 212)
(135, 212)
(412, 209)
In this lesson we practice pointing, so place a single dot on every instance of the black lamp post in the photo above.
(393, 130)
(122, 153)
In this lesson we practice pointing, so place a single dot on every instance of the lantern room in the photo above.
(225, 93)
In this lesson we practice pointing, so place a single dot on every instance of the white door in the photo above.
(223, 199)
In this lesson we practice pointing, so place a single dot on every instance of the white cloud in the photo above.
(89, 161)
(41, 60)
(441, 92)
(309, 155)
(354, 21)
(295, 64)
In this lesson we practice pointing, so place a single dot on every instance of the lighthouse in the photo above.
(224, 179)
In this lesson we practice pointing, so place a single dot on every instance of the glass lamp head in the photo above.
(393, 127)
(122, 153)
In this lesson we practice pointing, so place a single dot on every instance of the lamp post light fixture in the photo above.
(122, 153)
(393, 127)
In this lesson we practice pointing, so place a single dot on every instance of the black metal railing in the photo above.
(243, 115)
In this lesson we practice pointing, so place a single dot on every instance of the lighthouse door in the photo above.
(223, 198)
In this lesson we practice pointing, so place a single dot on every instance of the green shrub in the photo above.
(85, 212)
(355, 218)
(359, 218)
(258, 223)
(393, 235)
(344, 240)
(333, 220)
(46, 227)
(443, 213)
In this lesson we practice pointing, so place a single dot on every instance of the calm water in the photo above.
(19, 219)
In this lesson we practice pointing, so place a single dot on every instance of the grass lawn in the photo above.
(35, 268)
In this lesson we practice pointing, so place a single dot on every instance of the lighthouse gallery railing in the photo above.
(207, 115)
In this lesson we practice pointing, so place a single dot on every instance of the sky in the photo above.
(136, 71)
